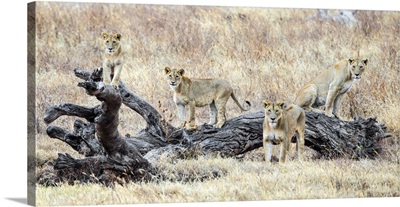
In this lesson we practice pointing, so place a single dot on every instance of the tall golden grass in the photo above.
(264, 53)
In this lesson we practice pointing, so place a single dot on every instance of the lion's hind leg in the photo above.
(301, 123)
(213, 114)
(285, 146)
(221, 107)
(306, 96)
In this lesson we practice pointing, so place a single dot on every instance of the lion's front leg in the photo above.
(332, 94)
(106, 72)
(192, 120)
(336, 105)
(267, 144)
(117, 73)
(182, 114)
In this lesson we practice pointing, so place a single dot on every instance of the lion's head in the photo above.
(357, 67)
(273, 112)
(174, 76)
(111, 42)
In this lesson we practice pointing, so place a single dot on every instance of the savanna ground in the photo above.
(264, 53)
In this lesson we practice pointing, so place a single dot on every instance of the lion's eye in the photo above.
(269, 110)
(170, 76)
(176, 76)
(114, 42)
(107, 41)
(276, 111)
(361, 67)
(354, 66)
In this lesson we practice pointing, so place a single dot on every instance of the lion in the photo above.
(328, 87)
(281, 122)
(199, 93)
(112, 62)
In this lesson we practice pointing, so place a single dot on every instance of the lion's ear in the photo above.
(351, 61)
(282, 105)
(181, 72)
(266, 104)
(167, 70)
(104, 35)
(118, 36)
(365, 61)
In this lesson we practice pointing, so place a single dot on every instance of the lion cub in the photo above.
(281, 122)
(328, 87)
(198, 93)
(112, 62)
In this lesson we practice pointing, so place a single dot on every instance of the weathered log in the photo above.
(330, 137)
(82, 139)
(333, 138)
(105, 117)
(111, 155)
(157, 133)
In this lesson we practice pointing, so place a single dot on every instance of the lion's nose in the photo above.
(272, 118)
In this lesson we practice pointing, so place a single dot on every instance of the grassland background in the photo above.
(264, 53)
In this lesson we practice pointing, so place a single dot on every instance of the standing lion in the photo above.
(198, 93)
(112, 61)
(281, 122)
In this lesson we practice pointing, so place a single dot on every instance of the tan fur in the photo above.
(113, 60)
(198, 93)
(281, 122)
(328, 88)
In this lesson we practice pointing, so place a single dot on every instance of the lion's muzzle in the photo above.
(272, 122)
(173, 85)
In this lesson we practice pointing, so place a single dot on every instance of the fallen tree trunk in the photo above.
(111, 156)
(108, 149)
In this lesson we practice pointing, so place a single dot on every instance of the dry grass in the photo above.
(242, 180)
(264, 53)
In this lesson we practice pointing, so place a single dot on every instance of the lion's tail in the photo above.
(248, 104)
